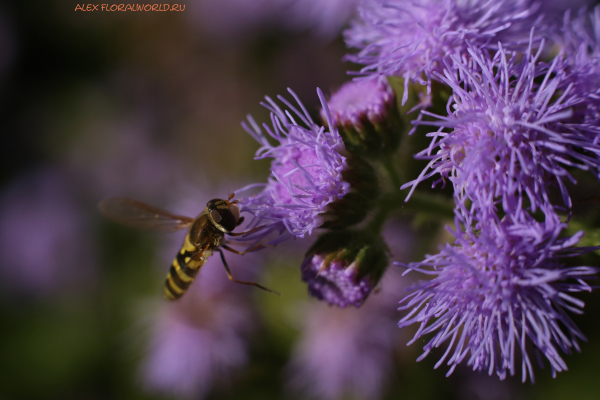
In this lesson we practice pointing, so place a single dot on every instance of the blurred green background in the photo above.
(149, 105)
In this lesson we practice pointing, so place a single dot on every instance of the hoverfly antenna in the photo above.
(231, 196)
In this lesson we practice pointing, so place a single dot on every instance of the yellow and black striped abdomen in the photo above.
(183, 270)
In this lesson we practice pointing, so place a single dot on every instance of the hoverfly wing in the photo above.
(139, 215)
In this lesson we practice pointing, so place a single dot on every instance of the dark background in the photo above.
(149, 105)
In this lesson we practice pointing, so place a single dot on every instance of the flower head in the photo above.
(335, 281)
(366, 115)
(497, 291)
(356, 101)
(306, 172)
(343, 267)
(412, 39)
(511, 137)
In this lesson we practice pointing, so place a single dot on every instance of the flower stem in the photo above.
(432, 205)
(390, 168)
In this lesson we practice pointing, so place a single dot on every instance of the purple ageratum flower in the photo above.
(412, 39)
(511, 136)
(496, 292)
(306, 172)
(335, 281)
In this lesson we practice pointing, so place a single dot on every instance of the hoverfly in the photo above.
(206, 235)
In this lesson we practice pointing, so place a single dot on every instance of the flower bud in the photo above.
(367, 118)
(343, 267)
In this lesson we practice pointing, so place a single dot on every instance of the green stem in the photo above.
(390, 202)
(388, 164)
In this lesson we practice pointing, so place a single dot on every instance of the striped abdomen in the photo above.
(183, 270)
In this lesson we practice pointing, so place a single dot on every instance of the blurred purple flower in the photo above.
(497, 289)
(511, 136)
(234, 20)
(239, 20)
(348, 351)
(351, 351)
(335, 281)
(202, 338)
(306, 173)
(579, 40)
(118, 156)
(324, 18)
(45, 242)
(413, 39)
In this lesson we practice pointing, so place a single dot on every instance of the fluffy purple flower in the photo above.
(306, 172)
(496, 292)
(412, 39)
(511, 134)
(335, 282)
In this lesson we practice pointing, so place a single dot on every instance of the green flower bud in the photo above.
(343, 267)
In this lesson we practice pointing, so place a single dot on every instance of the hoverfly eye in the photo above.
(235, 211)
(216, 216)
(226, 219)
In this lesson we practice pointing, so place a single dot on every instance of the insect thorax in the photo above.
(203, 232)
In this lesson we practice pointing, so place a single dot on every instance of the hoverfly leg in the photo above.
(260, 246)
(231, 278)
(246, 232)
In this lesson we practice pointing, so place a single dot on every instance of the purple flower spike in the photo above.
(498, 292)
(335, 281)
(412, 39)
(306, 172)
(512, 137)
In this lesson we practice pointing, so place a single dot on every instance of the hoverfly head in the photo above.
(224, 214)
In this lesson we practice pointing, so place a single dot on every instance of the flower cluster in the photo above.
(314, 183)
(520, 122)
(412, 39)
